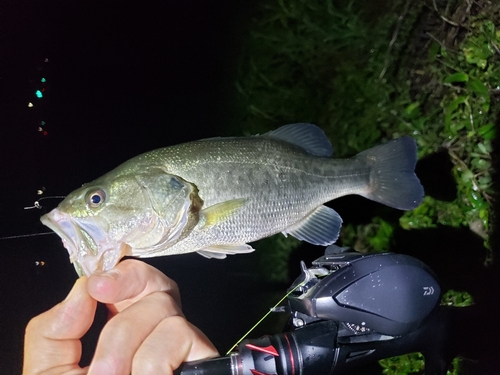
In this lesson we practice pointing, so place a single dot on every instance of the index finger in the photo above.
(128, 282)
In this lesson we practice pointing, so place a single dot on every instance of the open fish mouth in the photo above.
(89, 247)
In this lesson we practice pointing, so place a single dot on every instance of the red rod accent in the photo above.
(290, 354)
(255, 372)
(268, 349)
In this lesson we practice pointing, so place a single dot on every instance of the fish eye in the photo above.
(96, 198)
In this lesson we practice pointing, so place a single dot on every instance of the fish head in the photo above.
(114, 216)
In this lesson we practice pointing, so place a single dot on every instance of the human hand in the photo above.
(146, 333)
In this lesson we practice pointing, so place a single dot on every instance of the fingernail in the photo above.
(112, 273)
(100, 368)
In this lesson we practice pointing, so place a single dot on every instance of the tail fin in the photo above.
(392, 178)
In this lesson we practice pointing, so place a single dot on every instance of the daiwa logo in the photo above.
(428, 290)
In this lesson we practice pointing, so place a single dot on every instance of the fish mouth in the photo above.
(89, 247)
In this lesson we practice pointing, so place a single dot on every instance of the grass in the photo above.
(412, 68)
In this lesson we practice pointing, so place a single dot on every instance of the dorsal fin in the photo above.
(307, 136)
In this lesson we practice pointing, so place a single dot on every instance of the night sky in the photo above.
(120, 80)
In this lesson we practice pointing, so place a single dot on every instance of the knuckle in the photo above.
(32, 326)
(144, 365)
(177, 321)
(117, 330)
(167, 302)
(175, 324)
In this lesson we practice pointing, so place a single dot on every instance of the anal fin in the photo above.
(320, 227)
(221, 251)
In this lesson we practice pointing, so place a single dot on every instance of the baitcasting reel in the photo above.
(387, 293)
(347, 310)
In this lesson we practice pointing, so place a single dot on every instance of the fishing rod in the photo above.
(348, 310)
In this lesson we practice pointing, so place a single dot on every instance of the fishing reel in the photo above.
(347, 310)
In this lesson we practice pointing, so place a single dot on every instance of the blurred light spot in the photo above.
(38, 94)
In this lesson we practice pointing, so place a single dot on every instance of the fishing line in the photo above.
(39, 206)
(264, 317)
(26, 235)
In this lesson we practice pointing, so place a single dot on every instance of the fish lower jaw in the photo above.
(111, 257)
(107, 258)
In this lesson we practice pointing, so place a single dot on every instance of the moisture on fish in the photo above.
(215, 196)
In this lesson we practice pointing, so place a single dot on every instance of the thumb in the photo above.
(52, 339)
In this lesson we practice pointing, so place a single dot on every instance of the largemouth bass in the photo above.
(214, 196)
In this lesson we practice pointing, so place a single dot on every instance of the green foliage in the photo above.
(290, 64)
(365, 79)
(465, 127)
(412, 363)
(373, 237)
(457, 299)
(432, 213)
(316, 62)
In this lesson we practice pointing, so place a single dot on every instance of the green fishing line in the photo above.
(261, 319)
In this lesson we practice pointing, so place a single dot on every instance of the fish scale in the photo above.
(214, 196)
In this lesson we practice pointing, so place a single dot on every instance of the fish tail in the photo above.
(392, 176)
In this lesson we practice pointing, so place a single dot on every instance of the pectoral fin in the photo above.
(221, 251)
(320, 227)
(221, 211)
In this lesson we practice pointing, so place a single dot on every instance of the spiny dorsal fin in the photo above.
(307, 136)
